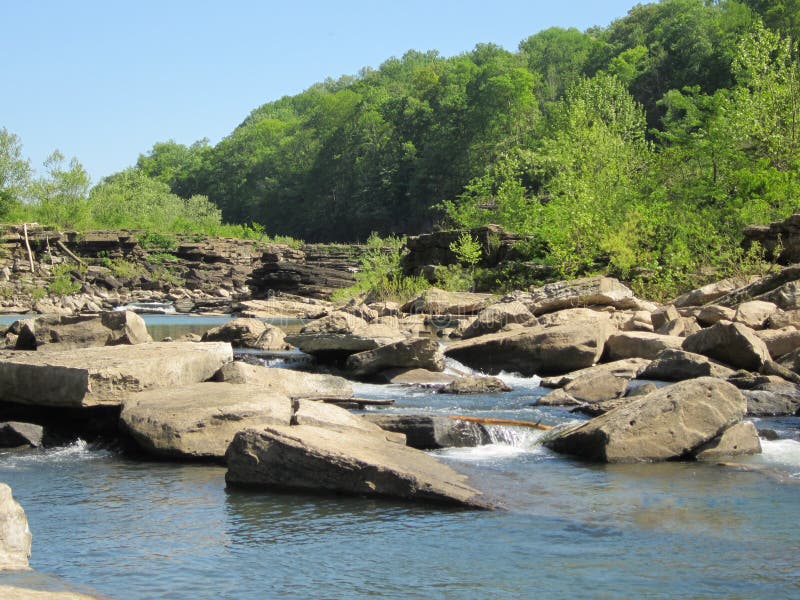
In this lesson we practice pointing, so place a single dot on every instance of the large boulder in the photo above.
(247, 333)
(713, 313)
(108, 375)
(341, 334)
(677, 365)
(199, 421)
(590, 291)
(406, 354)
(286, 382)
(588, 316)
(434, 301)
(307, 458)
(15, 536)
(591, 388)
(738, 439)
(493, 318)
(639, 344)
(730, 343)
(431, 432)
(67, 332)
(712, 291)
(534, 350)
(669, 423)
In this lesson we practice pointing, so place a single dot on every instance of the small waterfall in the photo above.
(524, 438)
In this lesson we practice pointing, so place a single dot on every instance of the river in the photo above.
(129, 530)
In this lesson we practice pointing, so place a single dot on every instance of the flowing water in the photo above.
(131, 530)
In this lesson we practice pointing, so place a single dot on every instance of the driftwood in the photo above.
(347, 401)
(513, 422)
(28, 246)
(68, 253)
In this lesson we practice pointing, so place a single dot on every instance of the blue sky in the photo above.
(104, 80)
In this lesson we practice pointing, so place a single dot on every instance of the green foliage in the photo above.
(62, 283)
(467, 250)
(15, 172)
(380, 275)
(151, 240)
(60, 197)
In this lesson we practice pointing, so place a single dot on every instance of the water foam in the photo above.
(77, 450)
(783, 453)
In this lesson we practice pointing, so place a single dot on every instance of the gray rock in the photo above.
(106, 375)
(754, 314)
(780, 341)
(639, 344)
(712, 291)
(81, 331)
(664, 315)
(713, 313)
(677, 365)
(475, 384)
(314, 459)
(410, 354)
(730, 343)
(628, 368)
(590, 291)
(14, 434)
(341, 334)
(15, 536)
(736, 440)
(493, 318)
(286, 382)
(533, 350)
(431, 432)
(247, 333)
(669, 423)
(434, 301)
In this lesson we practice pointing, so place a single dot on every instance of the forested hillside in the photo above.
(641, 148)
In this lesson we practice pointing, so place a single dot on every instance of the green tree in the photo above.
(60, 197)
(15, 172)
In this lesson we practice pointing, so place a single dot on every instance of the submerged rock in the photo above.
(669, 423)
(313, 459)
(15, 536)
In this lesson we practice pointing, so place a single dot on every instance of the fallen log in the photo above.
(356, 401)
(512, 422)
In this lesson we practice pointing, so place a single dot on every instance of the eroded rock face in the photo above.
(107, 375)
(15, 536)
(669, 423)
(730, 343)
(247, 333)
(314, 459)
(286, 382)
(534, 350)
(406, 354)
(590, 291)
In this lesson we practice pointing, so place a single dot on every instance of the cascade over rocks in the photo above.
(672, 422)
(431, 432)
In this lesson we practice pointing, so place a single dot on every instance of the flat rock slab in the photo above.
(314, 459)
(199, 421)
(287, 382)
(107, 375)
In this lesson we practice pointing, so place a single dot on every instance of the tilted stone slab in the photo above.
(316, 459)
(107, 375)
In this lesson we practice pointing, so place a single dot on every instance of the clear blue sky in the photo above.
(103, 80)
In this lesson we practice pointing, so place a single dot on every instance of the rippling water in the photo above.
(132, 530)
